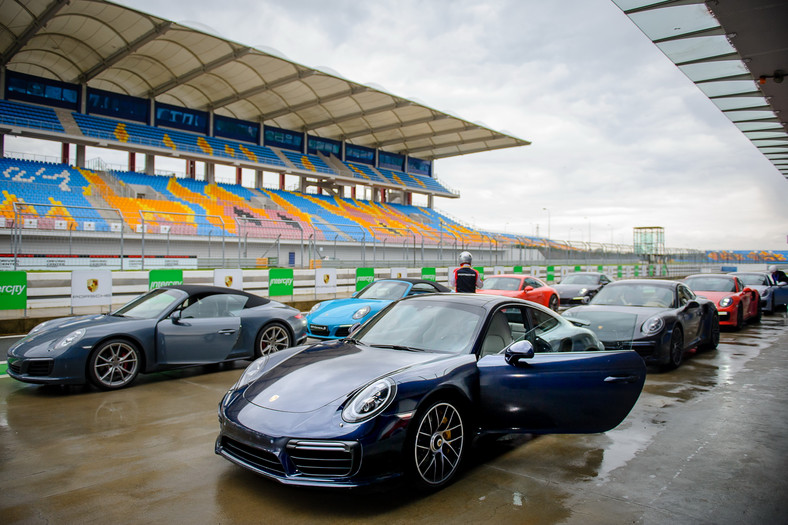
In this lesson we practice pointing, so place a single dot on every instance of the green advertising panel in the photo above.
(164, 277)
(280, 281)
(637, 271)
(364, 276)
(551, 274)
(480, 269)
(600, 268)
(428, 274)
(620, 272)
(578, 268)
(517, 269)
(651, 270)
(13, 290)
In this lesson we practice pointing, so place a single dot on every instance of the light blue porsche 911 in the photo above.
(333, 319)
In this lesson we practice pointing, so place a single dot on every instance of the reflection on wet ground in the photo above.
(146, 454)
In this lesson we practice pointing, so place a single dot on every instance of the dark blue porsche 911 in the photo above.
(408, 392)
(166, 328)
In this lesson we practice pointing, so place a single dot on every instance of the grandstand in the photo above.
(269, 115)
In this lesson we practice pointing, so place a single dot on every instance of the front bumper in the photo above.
(43, 371)
(369, 455)
(328, 332)
(655, 351)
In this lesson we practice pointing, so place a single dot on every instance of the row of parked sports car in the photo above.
(407, 378)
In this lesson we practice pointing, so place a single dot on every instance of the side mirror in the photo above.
(528, 289)
(517, 351)
(175, 316)
(693, 304)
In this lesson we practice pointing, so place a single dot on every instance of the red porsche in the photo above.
(522, 287)
(736, 303)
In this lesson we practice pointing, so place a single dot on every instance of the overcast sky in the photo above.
(620, 137)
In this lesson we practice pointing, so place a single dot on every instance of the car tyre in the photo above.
(713, 339)
(114, 364)
(676, 353)
(553, 304)
(272, 338)
(739, 318)
(437, 445)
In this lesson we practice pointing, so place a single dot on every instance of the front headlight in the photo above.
(582, 291)
(653, 325)
(370, 401)
(252, 372)
(361, 312)
(725, 302)
(70, 339)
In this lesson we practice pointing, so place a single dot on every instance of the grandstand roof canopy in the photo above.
(735, 52)
(118, 49)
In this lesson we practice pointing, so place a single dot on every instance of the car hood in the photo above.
(66, 325)
(614, 323)
(321, 374)
(505, 293)
(342, 310)
(715, 296)
(572, 289)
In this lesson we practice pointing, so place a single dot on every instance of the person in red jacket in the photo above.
(465, 279)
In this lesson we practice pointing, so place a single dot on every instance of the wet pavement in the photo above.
(704, 444)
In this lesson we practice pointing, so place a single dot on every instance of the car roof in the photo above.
(475, 299)
(414, 281)
(653, 282)
(202, 289)
(712, 275)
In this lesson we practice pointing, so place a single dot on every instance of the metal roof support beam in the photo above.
(125, 51)
(316, 102)
(396, 125)
(199, 71)
(33, 28)
(457, 144)
(711, 31)
(360, 114)
(661, 4)
(718, 58)
(467, 127)
(302, 74)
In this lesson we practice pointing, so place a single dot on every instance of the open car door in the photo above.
(559, 393)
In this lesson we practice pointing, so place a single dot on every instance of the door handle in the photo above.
(231, 331)
(621, 379)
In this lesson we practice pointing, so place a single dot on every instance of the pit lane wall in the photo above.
(30, 296)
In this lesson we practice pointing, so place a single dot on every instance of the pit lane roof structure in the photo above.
(112, 47)
(736, 52)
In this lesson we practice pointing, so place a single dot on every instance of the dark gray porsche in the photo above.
(661, 320)
(169, 327)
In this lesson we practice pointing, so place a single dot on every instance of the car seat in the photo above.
(499, 335)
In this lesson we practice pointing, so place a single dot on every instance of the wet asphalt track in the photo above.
(704, 444)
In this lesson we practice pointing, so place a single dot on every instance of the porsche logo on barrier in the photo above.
(92, 285)
(326, 278)
(228, 280)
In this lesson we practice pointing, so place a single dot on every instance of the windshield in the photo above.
(646, 295)
(387, 290)
(579, 279)
(501, 283)
(424, 325)
(711, 284)
(753, 279)
(152, 304)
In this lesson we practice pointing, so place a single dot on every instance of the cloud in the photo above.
(621, 138)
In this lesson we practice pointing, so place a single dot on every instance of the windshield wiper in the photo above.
(399, 347)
